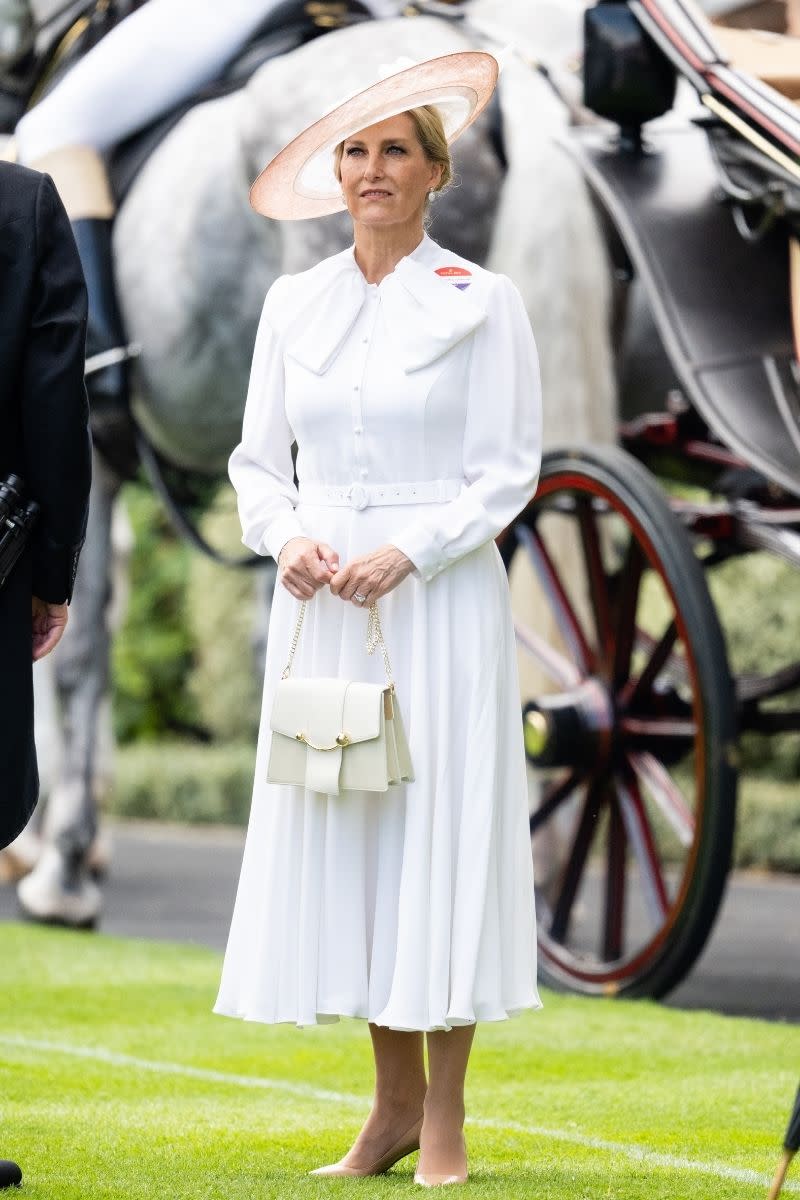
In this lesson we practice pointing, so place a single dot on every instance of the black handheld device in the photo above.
(17, 518)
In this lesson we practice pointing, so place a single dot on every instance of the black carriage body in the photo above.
(721, 305)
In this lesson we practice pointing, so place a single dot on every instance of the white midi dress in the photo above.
(413, 908)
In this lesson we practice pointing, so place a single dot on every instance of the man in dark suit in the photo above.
(44, 438)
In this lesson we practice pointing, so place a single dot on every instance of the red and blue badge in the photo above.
(459, 276)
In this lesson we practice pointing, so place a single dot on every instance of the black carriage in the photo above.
(631, 714)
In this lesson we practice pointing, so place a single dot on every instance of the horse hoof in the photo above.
(48, 897)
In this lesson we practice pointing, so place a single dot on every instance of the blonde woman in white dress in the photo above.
(409, 379)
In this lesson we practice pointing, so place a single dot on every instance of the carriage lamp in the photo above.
(627, 78)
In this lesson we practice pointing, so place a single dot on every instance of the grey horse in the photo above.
(194, 264)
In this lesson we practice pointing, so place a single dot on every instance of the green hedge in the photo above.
(225, 680)
(212, 784)
(183, 663)
(174, 781)
(152, 654)
(768, 825)
(757, 599)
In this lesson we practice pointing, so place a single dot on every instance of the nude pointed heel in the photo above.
(407, 1144)
(431, 1180)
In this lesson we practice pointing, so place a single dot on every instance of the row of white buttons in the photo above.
(358, 428)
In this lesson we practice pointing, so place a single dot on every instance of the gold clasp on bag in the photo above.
(342, 740)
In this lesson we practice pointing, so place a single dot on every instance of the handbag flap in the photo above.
(325, 709)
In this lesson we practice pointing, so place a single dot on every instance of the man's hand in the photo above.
(372, 575)
(306, 566)
(49, 623)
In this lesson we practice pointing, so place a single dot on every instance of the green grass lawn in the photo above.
(117, 1081)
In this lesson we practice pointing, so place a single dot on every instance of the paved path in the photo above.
(179, 884)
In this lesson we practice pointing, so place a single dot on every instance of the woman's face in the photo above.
(386, 175)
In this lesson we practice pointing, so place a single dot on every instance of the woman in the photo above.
(409, 379)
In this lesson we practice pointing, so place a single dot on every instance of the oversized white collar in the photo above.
(426, 315)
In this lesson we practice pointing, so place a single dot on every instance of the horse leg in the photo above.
(18, 859)
(59, 889)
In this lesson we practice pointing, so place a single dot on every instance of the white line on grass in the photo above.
(100, 1054)
(639, 1154)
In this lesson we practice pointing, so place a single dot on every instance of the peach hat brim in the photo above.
(300, 182)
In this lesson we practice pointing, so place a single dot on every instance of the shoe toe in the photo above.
(332, 1170)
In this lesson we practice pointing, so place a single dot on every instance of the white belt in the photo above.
(362, 495)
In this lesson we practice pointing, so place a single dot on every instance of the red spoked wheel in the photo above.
(630, 727)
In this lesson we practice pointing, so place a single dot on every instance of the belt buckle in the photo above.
(357, 496)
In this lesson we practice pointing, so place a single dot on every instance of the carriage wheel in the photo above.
(629, 721)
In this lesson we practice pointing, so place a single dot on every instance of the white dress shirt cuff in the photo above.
(419, 548)
(282, 530)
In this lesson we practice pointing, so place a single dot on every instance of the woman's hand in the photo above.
(306, 566)
(372, 575)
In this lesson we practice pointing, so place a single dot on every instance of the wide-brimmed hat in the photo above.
(300, 182)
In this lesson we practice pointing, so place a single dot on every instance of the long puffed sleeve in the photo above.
(502, 441)
(261, 465)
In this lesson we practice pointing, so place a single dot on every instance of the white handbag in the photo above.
(338, 735)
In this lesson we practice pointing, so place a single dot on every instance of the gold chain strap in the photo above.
(295, 639)
(374, 639)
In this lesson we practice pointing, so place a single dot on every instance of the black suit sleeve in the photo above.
(57, 449)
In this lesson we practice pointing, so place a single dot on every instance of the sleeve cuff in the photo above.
(280, 532)
(421, 551)
(54, 571)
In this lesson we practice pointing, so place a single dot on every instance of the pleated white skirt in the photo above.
(413, 908)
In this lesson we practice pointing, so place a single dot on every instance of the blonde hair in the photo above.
(430, 134)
